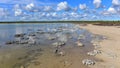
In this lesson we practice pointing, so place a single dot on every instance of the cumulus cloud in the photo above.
(30, 6)
(18, 12)
(104, 13)
(109, 11)
(112, 10)
(16, 6)
(115, 2)
(75, 9)
(48, 9)
(97, 3)
(54, 14)
(4, 13)
(63, 6)
(31, 10)
(82, 6)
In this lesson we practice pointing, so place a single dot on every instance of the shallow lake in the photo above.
(42, 53)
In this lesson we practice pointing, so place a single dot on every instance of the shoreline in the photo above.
(110, 46)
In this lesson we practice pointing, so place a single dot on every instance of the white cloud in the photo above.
(82, 6)
(63, 6)
(112, 10)
(115, 2)
(109, 11)
(105, 13)
(30, 6)
(97, 3)
(37, 11)
(16, 6)
(75, 9)
(48, 8)
(3, 12)
(54, 14)
(18, 12)
(48, 15)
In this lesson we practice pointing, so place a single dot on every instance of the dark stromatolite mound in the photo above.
(20, 35)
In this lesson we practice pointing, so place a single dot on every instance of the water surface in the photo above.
(41, 55)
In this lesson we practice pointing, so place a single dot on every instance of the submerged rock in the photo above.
(9, 42)
(22, 67)
(35, 62)
(95, 42)
(23, 42)
(81, 37)
(19, 35)
(97, 46)
(79, 44)
(51, 38)
(88, 62)
(32, 40)
(19, 65)
(93, 53)
(67, 63)
(58, 44)
(61, 53)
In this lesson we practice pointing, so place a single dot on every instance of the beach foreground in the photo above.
(110, 47)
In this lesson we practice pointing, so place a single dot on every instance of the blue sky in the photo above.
(40, 10)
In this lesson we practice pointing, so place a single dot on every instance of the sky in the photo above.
(50, 10)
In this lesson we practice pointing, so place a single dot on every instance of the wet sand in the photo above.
(110, 47)
(72, 59)
(15, 56)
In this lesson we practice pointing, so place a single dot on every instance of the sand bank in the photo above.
(110, 47)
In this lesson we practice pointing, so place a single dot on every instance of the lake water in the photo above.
(42, 55)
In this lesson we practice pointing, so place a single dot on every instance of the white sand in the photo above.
(110, 47)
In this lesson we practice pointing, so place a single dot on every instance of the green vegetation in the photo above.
(108, 23)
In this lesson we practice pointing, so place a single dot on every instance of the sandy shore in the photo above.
(110, 47)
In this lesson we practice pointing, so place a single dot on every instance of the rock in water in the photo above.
(9, 42)
(79, 44)
(58, 44)
(19, 35)
(61, 53)
(88, 62)
(22, 67)
(94, 53)
(81, 37)
(51, 38)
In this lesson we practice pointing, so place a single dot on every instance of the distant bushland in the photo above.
(102, 23)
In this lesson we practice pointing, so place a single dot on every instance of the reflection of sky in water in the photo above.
(7, 31)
